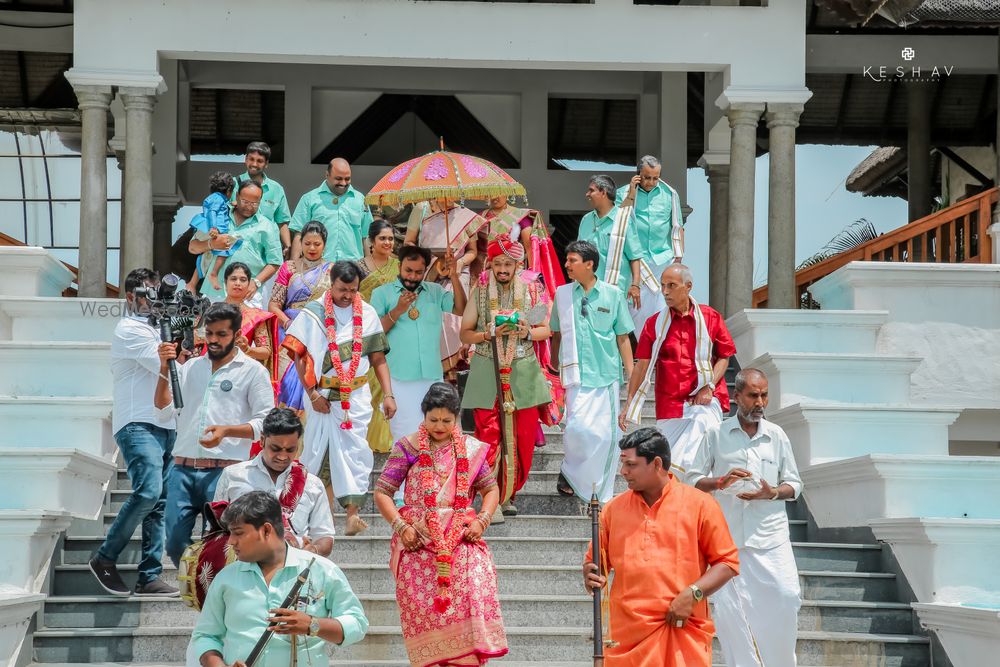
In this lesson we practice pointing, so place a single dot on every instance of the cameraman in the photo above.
(226, 397)
(145, 443)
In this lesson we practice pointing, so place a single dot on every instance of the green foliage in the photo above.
(855, 234)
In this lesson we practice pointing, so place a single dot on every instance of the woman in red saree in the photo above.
(259, 334)
(258, 337)
(446, 583)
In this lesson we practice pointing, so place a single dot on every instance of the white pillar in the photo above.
(137, 228)
(743, 120)
(782, 119)
(717, 172)
(93, 101)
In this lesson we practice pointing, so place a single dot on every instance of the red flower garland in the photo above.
(344, 376)
(445, 542)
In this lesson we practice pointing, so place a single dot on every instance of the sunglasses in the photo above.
(584, 302)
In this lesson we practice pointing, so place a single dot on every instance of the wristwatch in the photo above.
(711, 386)
(256, 282)
(698, 594)
(313, 626)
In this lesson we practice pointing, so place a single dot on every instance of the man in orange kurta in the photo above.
(669, 547)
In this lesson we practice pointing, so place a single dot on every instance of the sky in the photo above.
(823, 208)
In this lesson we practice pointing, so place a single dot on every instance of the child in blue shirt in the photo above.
(214, 219)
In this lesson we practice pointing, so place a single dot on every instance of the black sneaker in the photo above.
(107, 575)
(158, 588)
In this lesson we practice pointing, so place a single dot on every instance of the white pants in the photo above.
(590, 438)
(351, 459)
(409, 395)
(756, 613)
(651, 303)
(685, 432)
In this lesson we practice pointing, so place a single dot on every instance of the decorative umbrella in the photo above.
(443, 175)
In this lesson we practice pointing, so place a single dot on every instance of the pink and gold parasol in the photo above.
(442, 175)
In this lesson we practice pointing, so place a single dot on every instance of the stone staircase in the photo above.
(851, 614)
(54, 403)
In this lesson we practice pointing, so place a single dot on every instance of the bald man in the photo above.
(340, 208)
(691, 347)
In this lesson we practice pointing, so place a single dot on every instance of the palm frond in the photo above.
(855, 234)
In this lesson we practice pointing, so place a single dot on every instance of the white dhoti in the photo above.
(756, 613)
(351, 459)
(651, 303)
(409, 395)
(685, 432)
(590, 438)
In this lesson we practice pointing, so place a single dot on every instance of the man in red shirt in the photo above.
(692, 347)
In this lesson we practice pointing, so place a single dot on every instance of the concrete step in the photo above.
(363, 549)
(546, 502)
(57, 422)
(762, 330)
(50, 479)
(518, 610)
(55, 368)
(31, 271)
(847, 378)
(852, 492)
(523, 525)
(32, 319)
(822, 432)
(155, 643)
(77, 579)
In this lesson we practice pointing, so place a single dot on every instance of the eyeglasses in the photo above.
(584, 302)
(251, 204)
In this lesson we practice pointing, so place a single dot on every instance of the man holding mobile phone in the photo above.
(226, 397)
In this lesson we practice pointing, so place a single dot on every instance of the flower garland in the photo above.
(344, 376)
(445, 542)
(506, 346)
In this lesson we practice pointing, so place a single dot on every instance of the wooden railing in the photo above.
(111, 291)
(957, 234)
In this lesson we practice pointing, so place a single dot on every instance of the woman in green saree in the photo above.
(380, 267)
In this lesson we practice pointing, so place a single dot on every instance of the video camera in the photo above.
(181, 310)
(176, 313)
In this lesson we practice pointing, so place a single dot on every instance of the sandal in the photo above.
(563, 487)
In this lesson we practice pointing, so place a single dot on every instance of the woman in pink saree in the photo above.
(446, 583)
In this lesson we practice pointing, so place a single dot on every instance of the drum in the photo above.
(203, 559)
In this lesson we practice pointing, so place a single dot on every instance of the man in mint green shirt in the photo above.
(659, 228)
(260, 250)
(246, 596)
(340, 208)
(596, 227)
(590, 325)
(413, 311)
(273, 204)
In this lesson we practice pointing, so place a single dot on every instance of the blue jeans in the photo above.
(148, 453)
(187, 492)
